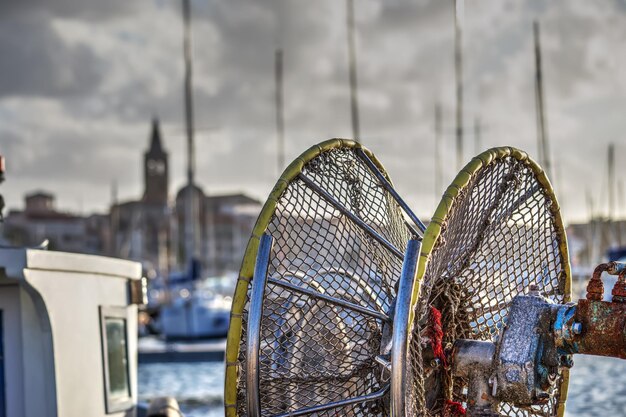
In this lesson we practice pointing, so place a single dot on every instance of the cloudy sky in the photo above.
(80, 81)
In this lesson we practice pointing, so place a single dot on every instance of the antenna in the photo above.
(354, 103)
(458, 67)
(280, 127)
(190, 229)
(542, 136)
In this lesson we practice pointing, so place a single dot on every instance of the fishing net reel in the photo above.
(346, 305)
(313, 314)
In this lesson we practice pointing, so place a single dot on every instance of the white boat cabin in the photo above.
(68, 334)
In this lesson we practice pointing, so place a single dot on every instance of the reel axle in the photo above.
(539, 338)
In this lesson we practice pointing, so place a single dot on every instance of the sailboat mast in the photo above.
(354, 104)
(280, 126)
(458, 68)
(477, 140)
(619, 212)
(611, 180)
(114, 218)
(190, 227)
(438, 165)
(542, 136)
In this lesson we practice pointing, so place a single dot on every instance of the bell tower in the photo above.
(155, 169)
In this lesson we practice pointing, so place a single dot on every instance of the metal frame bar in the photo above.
(367, 228)
(341, 403)
(383, 360)
(255, 313)
(330, 299)
(363, 285)
(401, 329)
(392, 191)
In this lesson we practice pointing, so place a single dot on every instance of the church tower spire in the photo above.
(155, 137)
(155, 168)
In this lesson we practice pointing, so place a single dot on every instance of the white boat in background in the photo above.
(197, 309)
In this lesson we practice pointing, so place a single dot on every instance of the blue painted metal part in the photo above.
(564, 329)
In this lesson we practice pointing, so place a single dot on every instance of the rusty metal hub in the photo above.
(522, 367)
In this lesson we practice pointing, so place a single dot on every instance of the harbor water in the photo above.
(597, 386)
(198, 387)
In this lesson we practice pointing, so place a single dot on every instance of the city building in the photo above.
(40, 221)
(150, 229)
(230, 219)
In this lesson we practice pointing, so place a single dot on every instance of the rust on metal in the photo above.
(595, 288)
(619, 290)
(603, 326)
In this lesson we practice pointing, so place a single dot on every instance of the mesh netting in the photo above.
(498, 237)
(312, 351)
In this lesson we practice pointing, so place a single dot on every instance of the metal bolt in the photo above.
(493, 381)
(577, 328)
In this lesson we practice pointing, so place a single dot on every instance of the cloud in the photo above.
(36, 61)
(91, 10)
(81, 80)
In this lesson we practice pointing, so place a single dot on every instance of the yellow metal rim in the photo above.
(462, 180)
(247, 267)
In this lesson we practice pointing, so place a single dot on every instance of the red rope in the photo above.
(454, 408)
(435, 333)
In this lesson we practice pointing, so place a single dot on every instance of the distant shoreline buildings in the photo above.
(149, 230)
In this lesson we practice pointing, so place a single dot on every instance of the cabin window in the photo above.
(113, 322)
